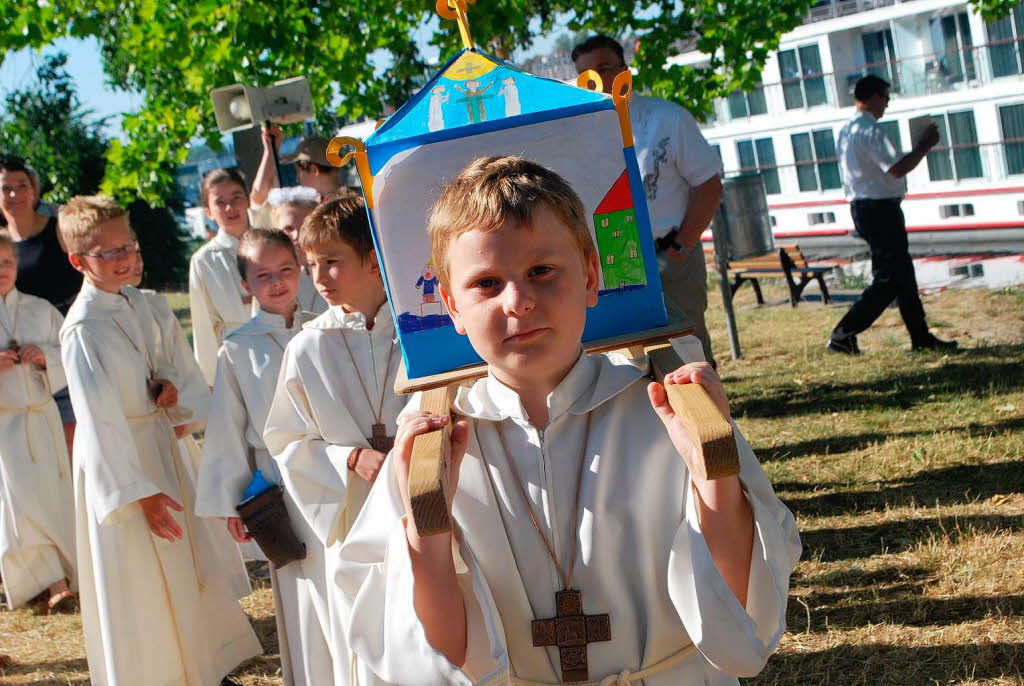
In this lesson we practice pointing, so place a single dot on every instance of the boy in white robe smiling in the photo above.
(218, 302)
(576, 511)
(247, 369)
(289, 208)
(153, 603)
(334, 407)
(37, 515)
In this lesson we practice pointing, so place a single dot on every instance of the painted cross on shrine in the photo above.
(571, 631)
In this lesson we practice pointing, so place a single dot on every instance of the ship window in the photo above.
(759, 156)
(880, 57)
(1012, 119)
(956, 210)
(803, 83)
(953, 48)
(817, 167)
(957, 155)
(1020, 207)
(747, 104)
(815, 218)
(1006, 43)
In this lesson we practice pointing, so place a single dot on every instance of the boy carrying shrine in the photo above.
(585, 547)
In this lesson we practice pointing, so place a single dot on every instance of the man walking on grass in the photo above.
(874, 174)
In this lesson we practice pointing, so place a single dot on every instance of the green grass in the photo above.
(905, 473)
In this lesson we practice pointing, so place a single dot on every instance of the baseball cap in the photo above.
(312, 149)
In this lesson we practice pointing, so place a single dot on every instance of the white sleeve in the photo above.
(105, 449)
(375, 574)
(314, 472)
(736, 640)
(224, 466)
(205, 323)
(51, 350)
(696, 160)
(193, 390)
(882, 150)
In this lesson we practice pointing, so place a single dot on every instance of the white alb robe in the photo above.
(247, 372)
(641, 556)
(174, 362)
(218, 301)
(150, 608)
(319, 415)
(37, 506)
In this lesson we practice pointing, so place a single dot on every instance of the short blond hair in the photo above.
(80, 217)
(7, 242)
(492, 190)
(342, 218)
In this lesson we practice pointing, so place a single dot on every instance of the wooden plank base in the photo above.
(428, 469)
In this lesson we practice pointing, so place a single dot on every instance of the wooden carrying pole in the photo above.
(708, 429)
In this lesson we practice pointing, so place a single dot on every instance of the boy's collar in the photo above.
(337, 318)
(11, 299)
(92, 292)
(593, 380)
(224, 239)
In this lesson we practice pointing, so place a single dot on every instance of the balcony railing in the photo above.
(831, 9)
(927, 74)
(956, 164)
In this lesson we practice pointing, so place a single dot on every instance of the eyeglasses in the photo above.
(118, 253)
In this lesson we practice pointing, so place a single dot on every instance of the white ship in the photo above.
(946, 63)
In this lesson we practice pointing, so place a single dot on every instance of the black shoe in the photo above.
(846, 346)
(228, 681)
(933, 343)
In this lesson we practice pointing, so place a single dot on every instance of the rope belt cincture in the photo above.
(28, 411)
(623, 678)
(160, 415)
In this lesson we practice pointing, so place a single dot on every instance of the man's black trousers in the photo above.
(881, 224)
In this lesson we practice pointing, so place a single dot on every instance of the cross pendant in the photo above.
(380, 441)
(571, 631)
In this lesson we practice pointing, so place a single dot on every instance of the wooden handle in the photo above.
(428, 469)
(709, 430)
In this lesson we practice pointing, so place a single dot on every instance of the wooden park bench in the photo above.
(786, 262)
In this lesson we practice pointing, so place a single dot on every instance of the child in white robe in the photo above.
(289, 208)
(218, 302)
(153, 602)
(334, 407)
(247, 370)
(175, 362)
(37, 516)
(568, 473)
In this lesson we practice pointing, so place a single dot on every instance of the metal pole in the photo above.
(273, 151)
(718, 232)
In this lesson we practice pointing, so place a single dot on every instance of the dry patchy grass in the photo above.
(905, 472)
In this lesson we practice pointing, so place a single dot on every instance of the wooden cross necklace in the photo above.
(570, 629)
(378, 439)
(12, 343)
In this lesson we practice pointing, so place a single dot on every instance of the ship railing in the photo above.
(946, 168)
(832, 9)
(919, 75)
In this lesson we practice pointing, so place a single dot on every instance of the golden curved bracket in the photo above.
(622, 89)
(590, 80)
(358, 153)
(456, 9)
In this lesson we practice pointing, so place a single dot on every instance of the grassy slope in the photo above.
(906, 473)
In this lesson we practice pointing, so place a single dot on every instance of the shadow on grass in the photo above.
(860, 608)
(830, 545)
(837, 445)
(875, 664)
(58, 666)
(947, 486)
(972, 372)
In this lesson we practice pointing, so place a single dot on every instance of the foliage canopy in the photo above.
(361, 55)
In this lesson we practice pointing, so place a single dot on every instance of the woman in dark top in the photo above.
(43, 267)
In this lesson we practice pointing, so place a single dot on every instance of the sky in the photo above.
(85, 66)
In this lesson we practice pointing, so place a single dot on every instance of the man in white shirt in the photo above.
(681, 180)
(874, 180)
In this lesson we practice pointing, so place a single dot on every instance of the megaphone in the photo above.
(239, 106)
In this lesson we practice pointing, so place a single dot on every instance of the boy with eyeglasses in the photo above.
(153, 602)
